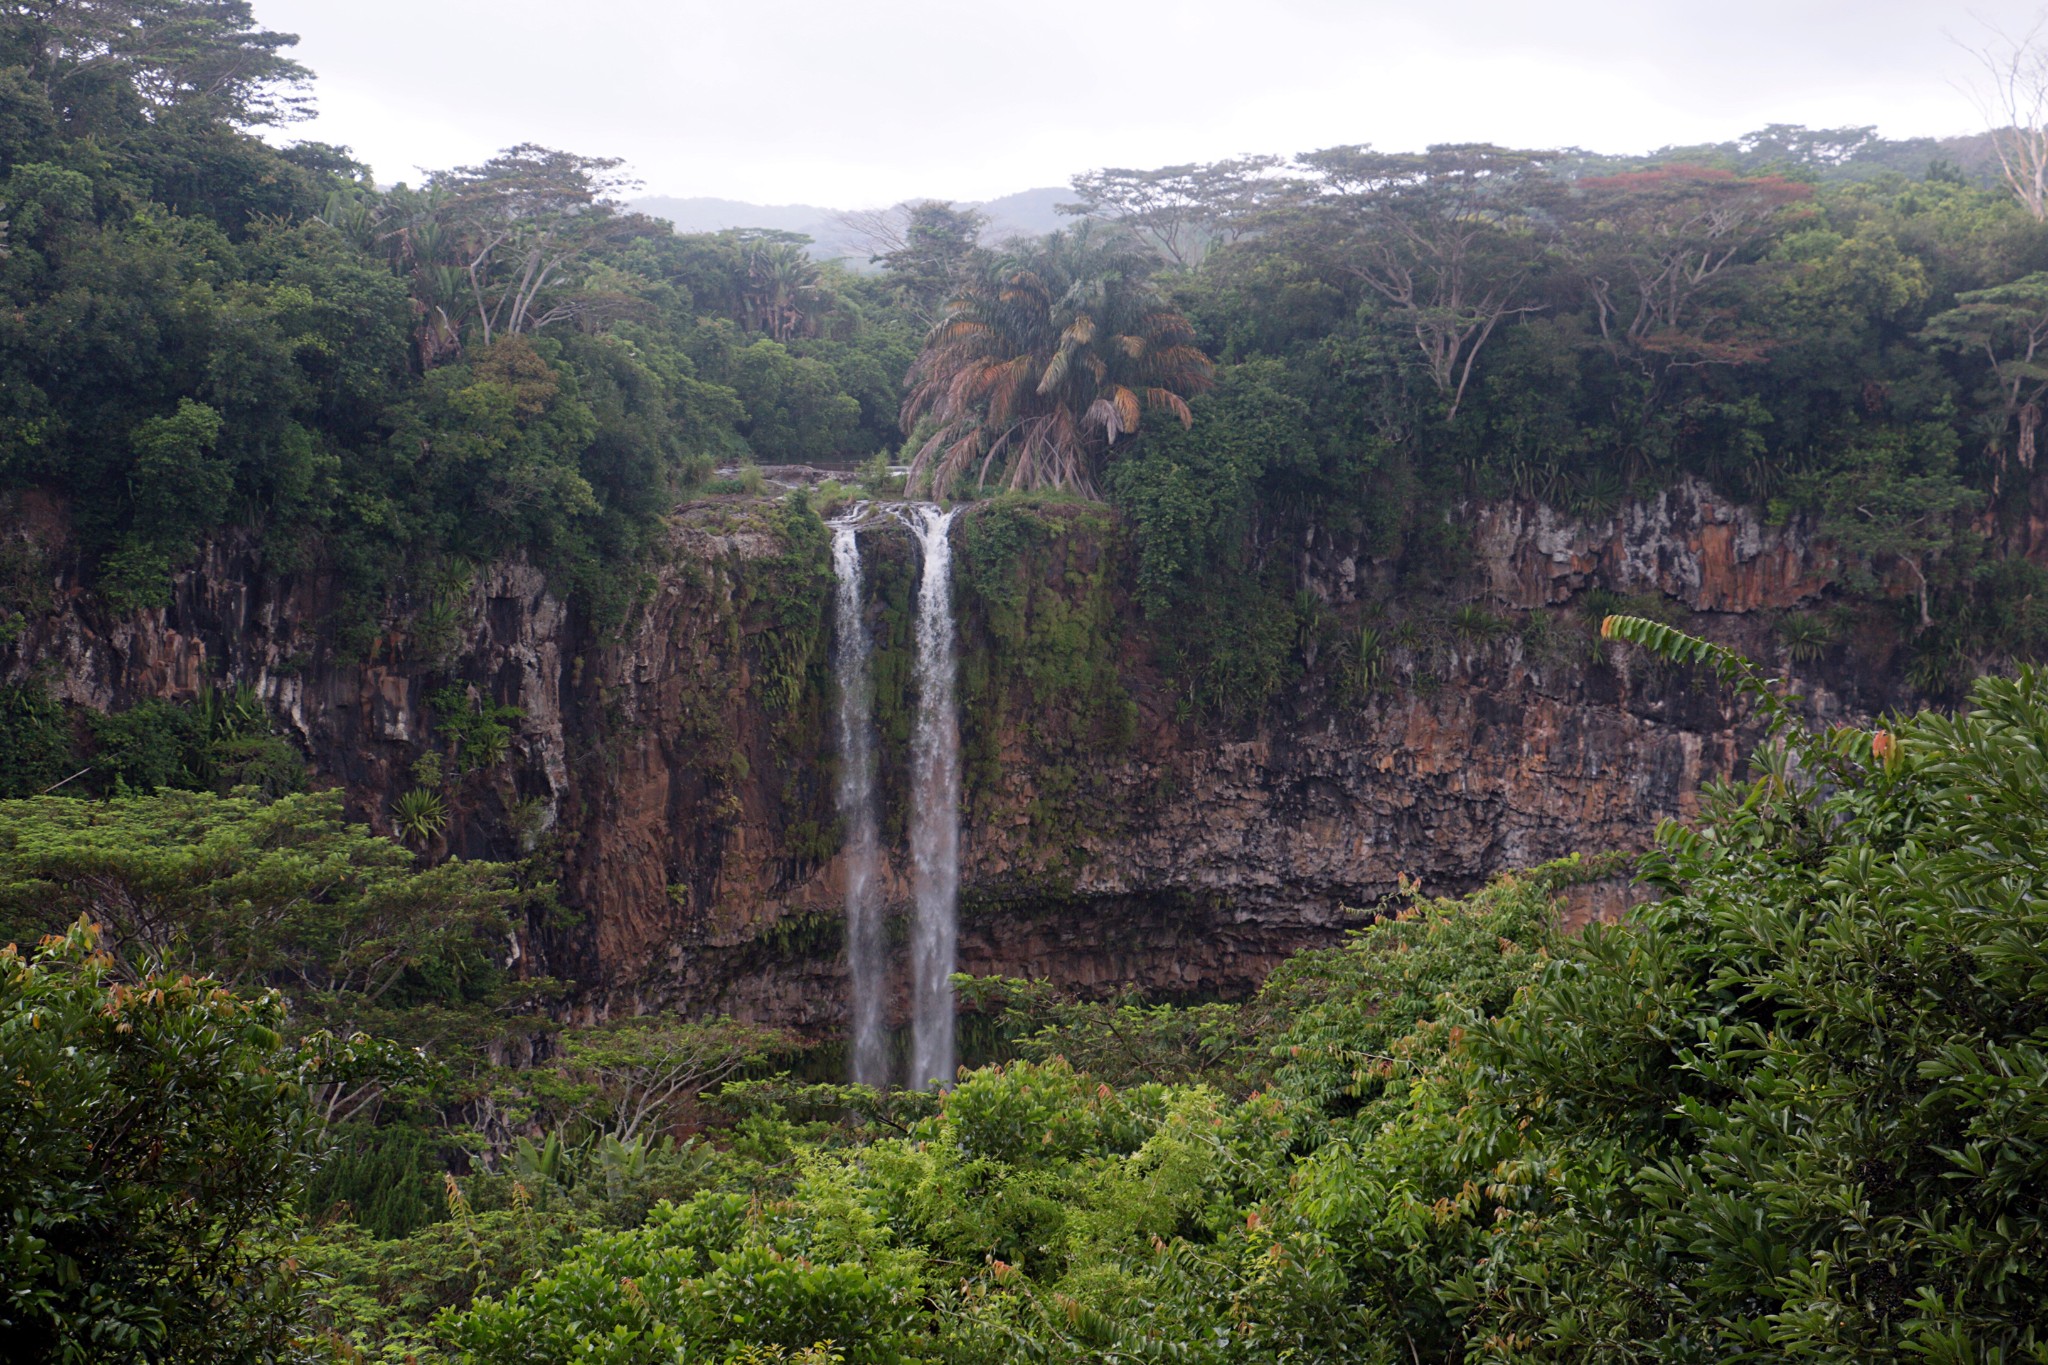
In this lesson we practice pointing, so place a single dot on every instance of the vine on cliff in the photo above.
(1042, 665)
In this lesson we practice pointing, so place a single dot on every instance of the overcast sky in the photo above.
(866, 102)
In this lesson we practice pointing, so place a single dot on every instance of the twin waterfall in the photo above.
(934, 815)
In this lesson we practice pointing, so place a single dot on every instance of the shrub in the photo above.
(151, 1135)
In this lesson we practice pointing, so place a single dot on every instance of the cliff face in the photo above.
(683, 767)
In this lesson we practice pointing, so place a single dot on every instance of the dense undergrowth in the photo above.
(1789, 1111)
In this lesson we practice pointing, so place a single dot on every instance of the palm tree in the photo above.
(1043, 360)
(784, 290)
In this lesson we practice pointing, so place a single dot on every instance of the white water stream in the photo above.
(935, 810)
(866, 951)
(934, 807)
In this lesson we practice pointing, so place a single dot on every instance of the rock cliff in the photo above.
(680, 767)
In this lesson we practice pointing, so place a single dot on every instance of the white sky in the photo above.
(866, 102)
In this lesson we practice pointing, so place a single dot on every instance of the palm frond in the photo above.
(1044, 360)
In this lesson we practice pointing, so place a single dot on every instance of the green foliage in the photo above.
(1424, 961)
(478, 733)
(1191, 498)
(153, 1131)
(669, 1290)
(198, 330)
(792, 596)
(1807, 637)
(280, 893)
(378, 1290)
(639, 1072)
(795, 408)
(420, 816)
(35, 743)
(1041, 663)
(385, 1179)
(218, 741)
(1124, 1041)
(1365, 665)
(1892, 500)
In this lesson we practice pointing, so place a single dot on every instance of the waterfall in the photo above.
(935, 811)
(866, 958)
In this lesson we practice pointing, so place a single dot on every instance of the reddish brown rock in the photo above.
(655, 762)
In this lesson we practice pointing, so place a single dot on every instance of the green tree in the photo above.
(796, 410)
(187, 56)
(35, 742)
(2007, 328)
(1443, 237)
(784, 291)
(153, 1132)
(263, 894)
(930, 254)
(642, 1070)
(1190, 496)
(520, 228)
(1892, 497)
(1658, 249)
(1182, 212)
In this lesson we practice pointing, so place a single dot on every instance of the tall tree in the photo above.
(1182, 212)
(928, 254)
(2006, 326)
(1443, 237)
(519, 227)
(1655, 247)
(2014, 101)
(783, 293)
(1045, 360)
(175, 53)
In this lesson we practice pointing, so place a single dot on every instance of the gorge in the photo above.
(703, 776)
(1342, 754)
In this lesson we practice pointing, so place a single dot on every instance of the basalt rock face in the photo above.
(681, 769)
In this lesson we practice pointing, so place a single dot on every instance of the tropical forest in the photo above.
(1339, 754)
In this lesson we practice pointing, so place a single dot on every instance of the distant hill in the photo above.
(1836, 154)
(1028, 213)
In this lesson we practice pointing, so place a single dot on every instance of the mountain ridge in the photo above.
(1026, 213)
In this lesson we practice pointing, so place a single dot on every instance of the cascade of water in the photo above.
(935, 810)
(866, 958)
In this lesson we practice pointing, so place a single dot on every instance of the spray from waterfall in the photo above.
(935, 810)
(866, 957)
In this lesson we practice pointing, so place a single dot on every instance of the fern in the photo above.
(1841, 754)
(1675, 646)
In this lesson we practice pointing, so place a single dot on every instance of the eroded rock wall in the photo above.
(681, 770)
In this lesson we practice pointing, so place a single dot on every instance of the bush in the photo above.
(35, 743)
(151, 1135)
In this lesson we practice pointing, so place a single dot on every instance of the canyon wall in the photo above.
(680, 767)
